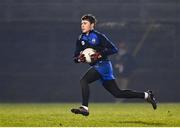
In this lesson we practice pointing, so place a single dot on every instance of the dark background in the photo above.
(37, 40)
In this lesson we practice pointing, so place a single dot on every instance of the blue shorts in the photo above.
(105, 69)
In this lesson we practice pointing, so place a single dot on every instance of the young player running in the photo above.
(101, 67)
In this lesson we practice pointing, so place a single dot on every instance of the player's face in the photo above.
(86, 26)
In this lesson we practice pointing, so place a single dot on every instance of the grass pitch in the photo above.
(102, 114)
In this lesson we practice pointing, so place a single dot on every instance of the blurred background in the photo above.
(37, 41)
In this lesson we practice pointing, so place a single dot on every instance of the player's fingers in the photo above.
(93, 56)
(83, 59)
(80, 56)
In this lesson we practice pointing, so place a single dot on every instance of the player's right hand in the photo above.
(81, 58)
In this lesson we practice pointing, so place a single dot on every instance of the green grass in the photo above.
(121, 114)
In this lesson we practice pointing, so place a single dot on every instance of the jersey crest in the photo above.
(82, 42)
(93, 40)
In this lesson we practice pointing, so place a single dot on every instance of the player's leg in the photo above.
(111, 86)
(122, 83)
(90, 76)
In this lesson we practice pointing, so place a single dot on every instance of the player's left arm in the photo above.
(109, 47)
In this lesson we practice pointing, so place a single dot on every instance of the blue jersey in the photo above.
(102, 44)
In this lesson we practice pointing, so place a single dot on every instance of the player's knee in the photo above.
(117, 94)
(83, 82)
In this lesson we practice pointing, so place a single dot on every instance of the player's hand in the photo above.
(75, 59)
(81, 58)
(96, 56)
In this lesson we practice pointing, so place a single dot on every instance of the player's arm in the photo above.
(78, 57)
(109, 47)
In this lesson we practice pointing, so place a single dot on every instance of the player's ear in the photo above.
(92, 26)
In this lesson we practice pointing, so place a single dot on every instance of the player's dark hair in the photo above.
(90, 18)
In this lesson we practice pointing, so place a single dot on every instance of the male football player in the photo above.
(100, 67)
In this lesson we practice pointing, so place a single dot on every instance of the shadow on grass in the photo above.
(141, 123)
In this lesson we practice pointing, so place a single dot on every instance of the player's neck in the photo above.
(87, 33)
